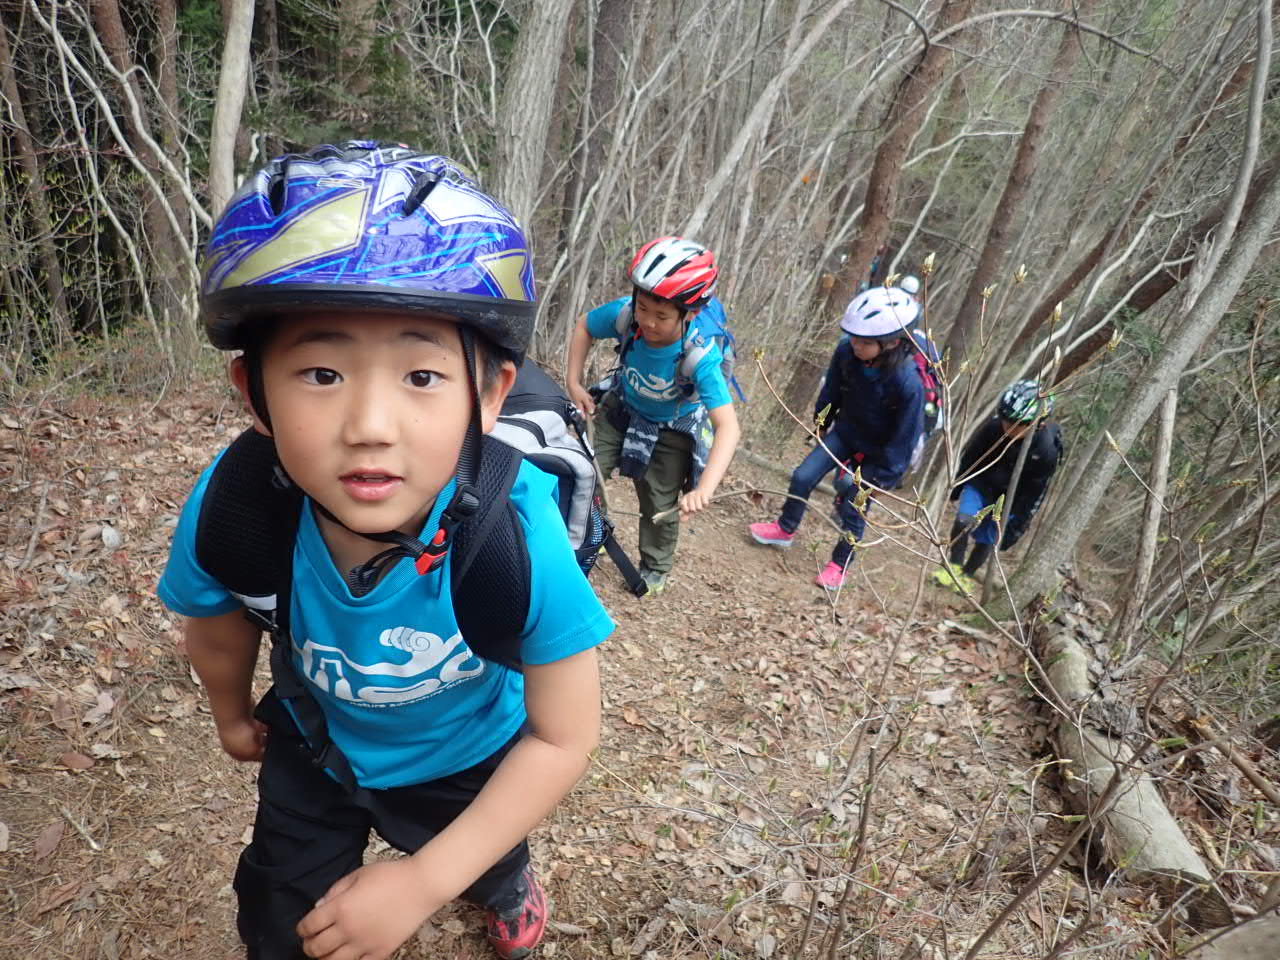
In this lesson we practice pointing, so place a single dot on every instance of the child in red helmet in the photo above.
(665, 417)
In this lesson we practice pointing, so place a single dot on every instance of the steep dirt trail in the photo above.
(740, 707)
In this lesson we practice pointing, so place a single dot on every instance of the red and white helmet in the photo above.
(676, 269)
(880, 312)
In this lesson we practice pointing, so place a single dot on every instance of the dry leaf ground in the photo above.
(742, 710)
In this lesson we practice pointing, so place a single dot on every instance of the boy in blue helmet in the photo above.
(381, 303)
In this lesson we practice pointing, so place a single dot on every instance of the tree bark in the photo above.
(355, 41)
(903, 118)
(233, 81)
(527, 101)
(1000, 233)
(41, 215)
(1135, 597)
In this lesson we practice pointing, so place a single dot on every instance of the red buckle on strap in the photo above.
(434, 555)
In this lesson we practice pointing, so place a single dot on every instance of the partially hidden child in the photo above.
(665, 417)
(987, 466)
(380, 303)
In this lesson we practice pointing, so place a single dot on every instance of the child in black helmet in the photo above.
(381, 302)
(986, 469)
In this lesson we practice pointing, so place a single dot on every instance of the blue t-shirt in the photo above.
(649, 381)
(405, 698)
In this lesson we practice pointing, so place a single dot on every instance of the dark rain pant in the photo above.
(309, 833)
(806, 477)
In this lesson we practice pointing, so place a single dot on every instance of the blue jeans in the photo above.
(971, 503)
(808, 475)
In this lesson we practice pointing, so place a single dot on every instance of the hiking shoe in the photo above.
(656, 582)
(514, 933)
(953, 578)
(831, 577)
(771, 534)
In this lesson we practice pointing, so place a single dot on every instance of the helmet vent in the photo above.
(421, 189)
(276, 189)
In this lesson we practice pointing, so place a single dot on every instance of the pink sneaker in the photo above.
(771, 534)
(831, 577)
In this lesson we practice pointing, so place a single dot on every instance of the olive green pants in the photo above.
(658, 490)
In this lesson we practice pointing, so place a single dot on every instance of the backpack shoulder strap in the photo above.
(491, 573)
(248, 524)
(623, 323)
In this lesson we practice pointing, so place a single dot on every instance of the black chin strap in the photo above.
(429, 557)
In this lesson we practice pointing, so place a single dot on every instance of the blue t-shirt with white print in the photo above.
(405, 698)
(649, 379)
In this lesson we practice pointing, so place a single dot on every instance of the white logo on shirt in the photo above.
(434, 665)
(651, 386)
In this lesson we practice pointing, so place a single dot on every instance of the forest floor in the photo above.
(720, 818)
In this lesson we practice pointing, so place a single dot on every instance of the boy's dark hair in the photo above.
(664, 301)
(491, 358)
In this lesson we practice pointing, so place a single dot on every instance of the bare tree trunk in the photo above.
(1090, 260)
(609, 39)
(41, 215)
(1136, 832)
(999, 235)
(527, 101)
(903, 118)
(1159, 281)
(233, 81)
(1064, 528)
(758, 119)
(355, 41)
(1135, 597)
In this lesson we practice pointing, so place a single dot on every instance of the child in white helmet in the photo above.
(872, 406)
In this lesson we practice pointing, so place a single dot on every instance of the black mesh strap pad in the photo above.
(490, 566)
(248, 520)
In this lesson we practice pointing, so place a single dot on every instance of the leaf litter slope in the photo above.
(741, 711)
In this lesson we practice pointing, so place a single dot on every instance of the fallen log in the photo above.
(1259, 939)
(1135, 835)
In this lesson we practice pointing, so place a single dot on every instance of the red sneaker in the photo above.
(515, 933)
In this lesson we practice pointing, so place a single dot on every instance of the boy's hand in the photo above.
(693, 501)
(581, 399)
(243, 739)
(368, 914)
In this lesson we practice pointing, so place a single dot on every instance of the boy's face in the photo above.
(1014, 431)
(658, 319)
(369, 412)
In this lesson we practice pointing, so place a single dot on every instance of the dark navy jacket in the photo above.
(879, 413)
(989, 458)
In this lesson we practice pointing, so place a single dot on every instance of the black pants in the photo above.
(310, 832)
